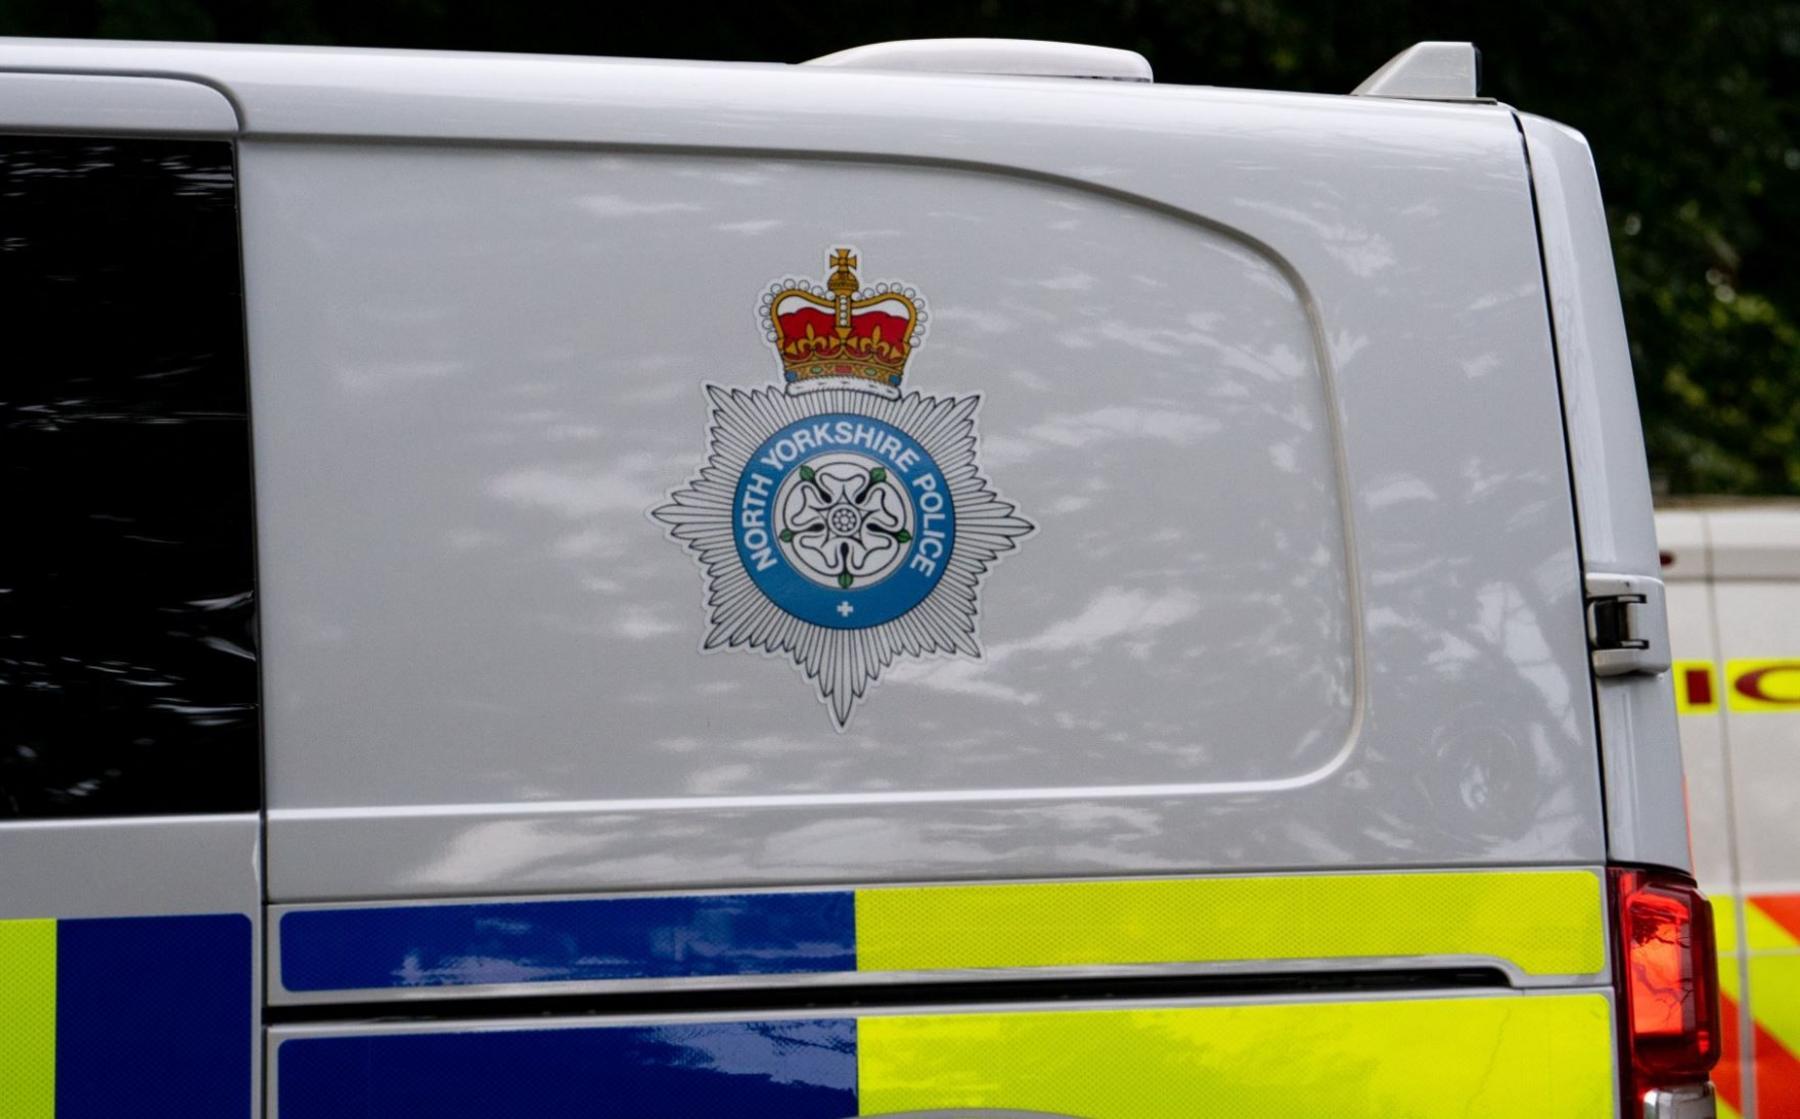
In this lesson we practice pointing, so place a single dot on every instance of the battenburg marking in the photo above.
(837, 521)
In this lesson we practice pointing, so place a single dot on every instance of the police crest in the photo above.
(838, 521)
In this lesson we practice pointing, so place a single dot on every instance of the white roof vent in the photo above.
(1427, 72)
(1017, 57)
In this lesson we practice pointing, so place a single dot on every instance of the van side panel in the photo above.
(1301, 589)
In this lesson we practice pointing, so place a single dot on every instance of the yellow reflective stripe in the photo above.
(1775, 997)
(1763, 934)
(1544, 922)
(1726, 1111)
(1725, 936)
(1725, 923)
(1729, 985)
(28, 1019)
(1549, 1057)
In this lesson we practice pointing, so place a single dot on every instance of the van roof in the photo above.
(414, 94)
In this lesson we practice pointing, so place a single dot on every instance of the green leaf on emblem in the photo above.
(806, 473)
(787, 536)
(877, 475)
(845, 579)
(903, 536)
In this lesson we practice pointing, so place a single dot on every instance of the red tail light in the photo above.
(1668, 983)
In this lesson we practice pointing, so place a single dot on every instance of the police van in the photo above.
(1733, 574)
(948, 580)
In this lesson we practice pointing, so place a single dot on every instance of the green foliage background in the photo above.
(1691, 106)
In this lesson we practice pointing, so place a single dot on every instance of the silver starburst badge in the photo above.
(838, 522)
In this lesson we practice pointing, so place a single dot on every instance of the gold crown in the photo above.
(841, 334)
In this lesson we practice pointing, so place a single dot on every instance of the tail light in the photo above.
(1668, 983)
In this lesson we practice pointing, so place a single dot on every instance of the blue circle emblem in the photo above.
(844, 521)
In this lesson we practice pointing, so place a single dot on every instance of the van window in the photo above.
(128, 673)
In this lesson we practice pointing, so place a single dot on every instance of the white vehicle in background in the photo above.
(1733, 577)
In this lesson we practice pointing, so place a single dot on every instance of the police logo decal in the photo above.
(837, 521)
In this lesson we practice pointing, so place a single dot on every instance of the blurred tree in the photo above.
(1692, 107)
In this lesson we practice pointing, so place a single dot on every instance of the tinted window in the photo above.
(128, 676)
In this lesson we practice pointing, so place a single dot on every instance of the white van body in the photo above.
(639, 724)
(1733, 571)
